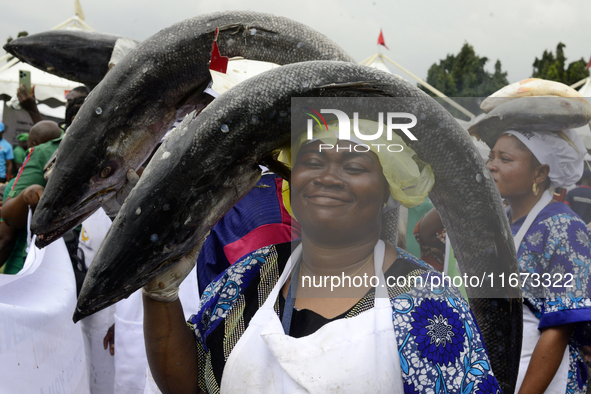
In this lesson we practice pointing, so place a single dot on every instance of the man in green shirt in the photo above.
(27, 188)
(13, 243)
(20, 152)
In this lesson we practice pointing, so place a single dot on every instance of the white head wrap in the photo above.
(562, 151)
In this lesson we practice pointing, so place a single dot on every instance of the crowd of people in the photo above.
(247, 322)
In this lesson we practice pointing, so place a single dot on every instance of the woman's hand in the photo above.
(546, 359)
(165, 287)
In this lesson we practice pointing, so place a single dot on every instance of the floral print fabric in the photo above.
(557, 246)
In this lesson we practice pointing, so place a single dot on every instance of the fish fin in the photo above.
(245, 27)
(277, 167)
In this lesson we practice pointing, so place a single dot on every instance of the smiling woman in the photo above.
(259, 329)
(338, 192)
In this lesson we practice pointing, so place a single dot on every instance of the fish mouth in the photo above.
(85, 308)
(46, 234)
(10, 49)
(45, 238)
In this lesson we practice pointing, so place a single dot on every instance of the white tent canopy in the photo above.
(378, 61)
(49, 89)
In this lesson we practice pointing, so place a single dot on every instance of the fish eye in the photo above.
(105, 172)
(108, 169)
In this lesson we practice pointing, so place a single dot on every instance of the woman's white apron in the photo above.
(356, 355)
(531, 334)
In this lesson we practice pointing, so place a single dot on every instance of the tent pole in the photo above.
(85, 25)
(9, 64)
(369, 60)
(577, 84)
(431, 88)
(63, 24)
(75, 20)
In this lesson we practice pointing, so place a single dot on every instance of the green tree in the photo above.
(463, 75)
(20, 34)
(553, 67)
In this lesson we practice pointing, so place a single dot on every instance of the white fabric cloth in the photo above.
(356, 355)
(126, 371)
(563, 154)
(130, 351)
(101, 365)
(41, 349)
(531, 334)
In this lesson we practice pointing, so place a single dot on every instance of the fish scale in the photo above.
(208, 170)
(128, 113)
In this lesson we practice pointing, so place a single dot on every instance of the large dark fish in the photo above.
(206, 165)
(80, 56)
(128, 113)
(532, 114)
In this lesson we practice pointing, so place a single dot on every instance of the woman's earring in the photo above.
(535, 189)
(386, 203)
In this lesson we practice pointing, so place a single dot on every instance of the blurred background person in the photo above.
(6, 157)
(20, 151)
(579, 198)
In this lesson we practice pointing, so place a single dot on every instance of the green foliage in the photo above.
(20, 34)
(553, 67)
(463, 75)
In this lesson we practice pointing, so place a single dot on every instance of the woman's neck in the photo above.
(330, 260)
(520, 207)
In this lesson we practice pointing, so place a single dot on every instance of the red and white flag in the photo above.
(381, 40)
(588, 64)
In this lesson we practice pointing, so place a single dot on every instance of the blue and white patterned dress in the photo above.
(439, 343)
(557, 243)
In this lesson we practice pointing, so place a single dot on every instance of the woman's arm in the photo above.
(170, 347)
(546, 359)
(170, 343)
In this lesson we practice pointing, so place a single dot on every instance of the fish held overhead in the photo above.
(80, 56)
(128, 113)
(208, 164)
(532, 114)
